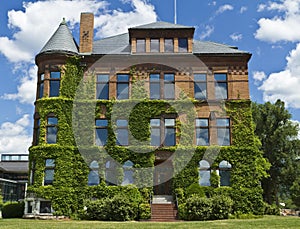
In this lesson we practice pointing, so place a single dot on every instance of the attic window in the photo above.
(182, 45)
(169, 45)
(154, 45)
(140, 45)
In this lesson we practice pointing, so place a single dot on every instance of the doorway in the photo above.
(163, 173)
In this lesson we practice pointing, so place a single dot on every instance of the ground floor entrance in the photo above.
(162, 179)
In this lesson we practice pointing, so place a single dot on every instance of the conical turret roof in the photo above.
(62, 41)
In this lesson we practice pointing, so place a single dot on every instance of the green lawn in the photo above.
(266, 222)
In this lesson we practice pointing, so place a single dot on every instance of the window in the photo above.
(93, 178)
(154, 45)
(122, 86)
(102, 88)
(170, 135)
(128, 173)
(169, 45)
(202, 132)
(223, 131)
(41, 86)
(140, 45)
(169, 86)
(32, 172)
(154, 86)
(101, 132)
(37, 132)
(221, 86)
(54, 84)
(200, 91)
(166, 128)
(155, 132)
(51, 135)
(225, 168)
(111, 173)
(49, 171)
(182, 45)
(204, 173)
(122, 132)
(45, 207)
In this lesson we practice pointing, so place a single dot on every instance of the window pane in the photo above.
(50, 162)
(101, 122)
(122, 137)
(140, 45)
(200, 90)
(45, 207)
(220, 77)
(223, 122)
(225, 165)
(169, 122)
(122, 78)
(54, 88)
(169, 137)
(122, 122)
(200, 77)
(223, 137)
(169, 77)
(201, 122)
(52, 121)
(128, 177)
(203, 164)
(169, 45)
(49, 176)
(221, 90)
(123, 91)
(155, 137)
(155, 122)
(93, 178)
(54, 75)
(202, 137)
(101, 137)
(41, 90)
(103, 78)
(169, 91)
(154, 90)
(224, 178)
(102, 90)
(51, 135)
(204, 177)
(154, 45)
(42, 77)
(182, 45)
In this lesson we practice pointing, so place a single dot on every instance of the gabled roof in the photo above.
(61, 41)
(162, 25)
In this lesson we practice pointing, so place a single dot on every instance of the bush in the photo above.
(222, 206)
(195, 189)
(214, 179)
(144, 211)
(13, 210)
(271, 209)
(198, 208)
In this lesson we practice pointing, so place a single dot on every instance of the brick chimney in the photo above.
(86, 32)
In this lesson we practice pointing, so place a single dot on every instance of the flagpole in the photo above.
(175, 12)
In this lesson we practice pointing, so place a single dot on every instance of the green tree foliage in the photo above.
(278, 136)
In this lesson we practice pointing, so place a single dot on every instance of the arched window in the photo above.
(93, 178)
(111, 173)
(128, 173)
(225, 168)
(204, 173)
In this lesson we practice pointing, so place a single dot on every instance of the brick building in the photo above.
(170, 66)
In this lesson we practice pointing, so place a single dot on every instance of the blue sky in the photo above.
(267, 29)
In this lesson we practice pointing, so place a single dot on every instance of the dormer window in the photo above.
(169, 45)
(182, 45)
(141, 45)
(154, 45)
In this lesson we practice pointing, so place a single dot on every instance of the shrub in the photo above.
(13, 210)
(222, 206)
(195, 189)
(214, 179)
(271, 209)
(198, 208)
(144, 211)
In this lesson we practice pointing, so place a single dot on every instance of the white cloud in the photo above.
(259, 76)
(243, 9)
(207, 32)
(14, 138)
(280, 28)
(224, 8)
(296, 122)
(26, 89)
(236, 36)
(285, 85)
(118, 22)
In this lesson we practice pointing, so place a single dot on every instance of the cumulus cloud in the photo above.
(285, 84)
(280, 28)
(236, 36)
(224, 8)
(14, 137)
(259, 76)
(243, 9)
(208, 30)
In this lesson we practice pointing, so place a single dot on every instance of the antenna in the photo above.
(175, 12)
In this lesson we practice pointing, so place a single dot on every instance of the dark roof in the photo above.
(162, 25)
(61, 41)
(120, 45)
(14, 166)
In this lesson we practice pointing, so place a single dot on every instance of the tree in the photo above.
(278, 136)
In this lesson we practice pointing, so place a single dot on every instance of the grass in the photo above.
(265, 223)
